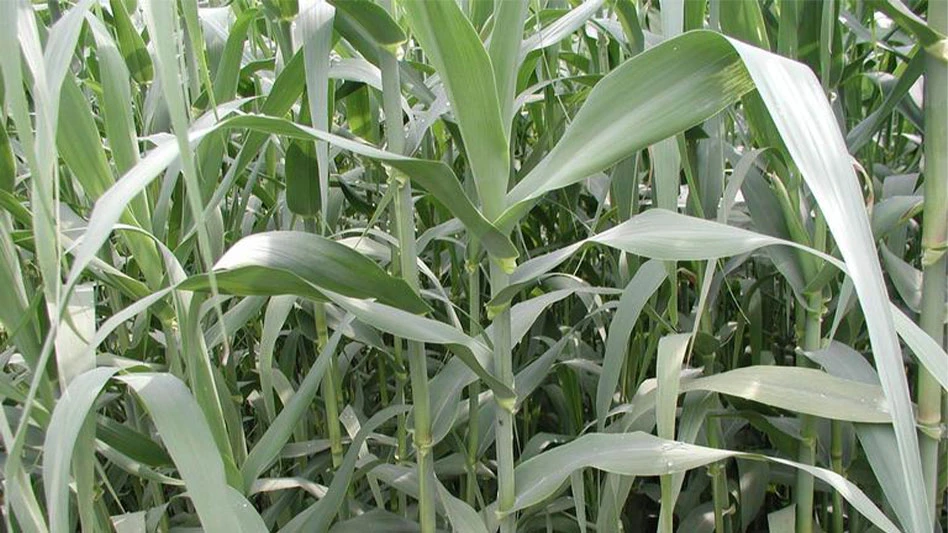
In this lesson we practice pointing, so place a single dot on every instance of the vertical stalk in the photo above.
(812, 340)
(384, 400)
(417, 364)
(807, 451)
(408, 257)
(837, 525)
(836, 460)
(474, 389)
(934, 241)
(283, 35)
(401, 433)
(330, 381)
(401, 383)
(717, 472)
(503, 420)
(812, 318)
(666, 517)
(329, 385)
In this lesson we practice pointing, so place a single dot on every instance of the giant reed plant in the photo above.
(406, 265)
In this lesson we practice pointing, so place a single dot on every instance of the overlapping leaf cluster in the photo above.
(309, 265)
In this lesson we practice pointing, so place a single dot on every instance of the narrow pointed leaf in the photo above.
(302, 181)
(294, 262)
(458, 55)
(638, 104)
(372, 20)
(803, 390)
(646, 281)
(64, 427)
(188, 438)
(641, 454)
(131, 44)
(808, 127)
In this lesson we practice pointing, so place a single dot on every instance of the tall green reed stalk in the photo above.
(934, 242)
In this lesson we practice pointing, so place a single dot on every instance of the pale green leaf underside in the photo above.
(294, 262)
(641, 454)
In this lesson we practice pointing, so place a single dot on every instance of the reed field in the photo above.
(474, 265)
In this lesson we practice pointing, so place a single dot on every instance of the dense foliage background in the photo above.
(552, 265)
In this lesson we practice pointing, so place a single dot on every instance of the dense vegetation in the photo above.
(672, 265)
